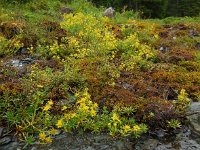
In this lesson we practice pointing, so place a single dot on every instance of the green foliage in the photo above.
(183, 102)
(198, 57)
(155, 8)
(173, 123)
(86, 7)
(115, 58)
(85, 116)
(183, 8)
(147, 9)
(173, 20)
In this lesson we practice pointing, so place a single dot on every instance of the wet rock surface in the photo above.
(19, 63)
(87, 141)
(5, 140)
(22, 51)
(194, 117)
(79, 142)
(182, 141)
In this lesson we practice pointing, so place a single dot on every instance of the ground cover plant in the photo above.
(86, 72)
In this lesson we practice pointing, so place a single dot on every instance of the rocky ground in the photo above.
(187, 139)
(183, 141)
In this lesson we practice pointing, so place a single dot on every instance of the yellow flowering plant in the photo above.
(85, 116)
(183, 102)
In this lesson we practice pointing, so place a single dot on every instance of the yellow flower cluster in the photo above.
(54, 49)
(86, 106)
(183, 101)
(118, 125)
(115, 117)
(133, 43)
(93, 37)
(60, 123)
(147, 27)
(73, 42)
(53, 131)
(127, 130)
(48, 105)
(69, 115)
(84, 115)
(44, 138)
(17, 44)
(92, 34)
(136, 128)
(134, 52)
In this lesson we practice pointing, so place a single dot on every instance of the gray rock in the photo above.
(33, 148)
(149, 144)
(159, 133)
(19, 63)
(22, 50)
(66, 10)
(2, 130)
(10, 146)
(181, 143)
(189, 145)
(5, 140)
(127, 86)
(164, 49)
(89, 148)
(110, 12)
(103, 147)
(165, 147)
(14, 63)
(195, 118)
(70, 100)
(101, 138)
(105, 142)
(193, 33)
(120, 145)
(26, 60)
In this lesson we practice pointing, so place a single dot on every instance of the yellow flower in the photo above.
(82, 100)
(53, 131)
(47, 107)
(73, 115)
(64, 108)
(59, 123)
(95, 105)
(93, 113)
(84, 108)
(50, 102)
(126, 128)
(39, 86)
(136, 128)
(81, 33)
(42, 136)
(48, 140)
(115, 117)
